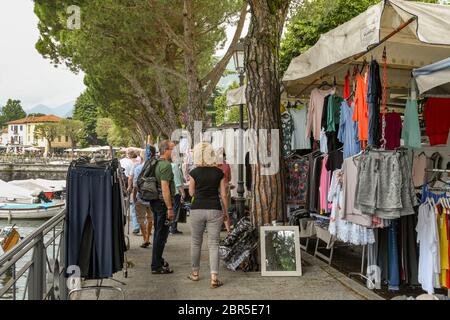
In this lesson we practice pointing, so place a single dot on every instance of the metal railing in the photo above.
(44, 271)
(32, 159)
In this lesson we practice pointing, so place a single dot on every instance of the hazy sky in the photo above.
(24, 74)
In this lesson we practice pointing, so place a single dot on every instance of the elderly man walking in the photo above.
(162, 208)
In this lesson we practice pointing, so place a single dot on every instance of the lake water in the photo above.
(25, 228)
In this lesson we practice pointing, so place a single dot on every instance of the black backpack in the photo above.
(147, 184)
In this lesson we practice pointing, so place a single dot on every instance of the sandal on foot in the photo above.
(215, 283)
(162, 271)
(193, 277)
(145, 244)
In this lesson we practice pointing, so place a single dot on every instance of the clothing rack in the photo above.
(361, 274)
(99, 287)
(438, 170)
(113, 164)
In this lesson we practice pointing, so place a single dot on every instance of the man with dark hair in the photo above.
(162, 208)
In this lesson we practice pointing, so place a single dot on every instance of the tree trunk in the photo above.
(195, 108)
(263, 98)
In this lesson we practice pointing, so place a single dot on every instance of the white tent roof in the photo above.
(434, 79)
(236, 96)
(8, 191)
(424, 41)
(35, 186)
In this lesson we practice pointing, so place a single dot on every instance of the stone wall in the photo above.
(9, 171)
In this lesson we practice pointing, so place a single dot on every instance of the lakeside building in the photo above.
(21, 135)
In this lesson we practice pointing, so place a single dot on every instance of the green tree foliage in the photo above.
(47, 131)
(313, 18)
(35, 114)
(102, 127)
(113, 134)
(135, 54)
(225, 114)
(87, 112)
(11, 111)
(71, 128)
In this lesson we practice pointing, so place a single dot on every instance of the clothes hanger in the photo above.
(363, 66)
(325, 83)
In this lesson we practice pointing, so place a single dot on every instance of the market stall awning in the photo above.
(415, 34)
(434, 79)
(236, 97)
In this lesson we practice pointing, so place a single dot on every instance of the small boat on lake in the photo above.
(44, 210)
(31, 199)
(9, 237)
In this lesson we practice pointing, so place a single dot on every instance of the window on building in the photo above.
(21, 128)
(67, 138)
(59, 139)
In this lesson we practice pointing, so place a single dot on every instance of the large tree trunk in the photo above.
(263, 98)
(195, 108)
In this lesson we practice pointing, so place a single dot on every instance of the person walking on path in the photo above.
(207, 211)
(144, 214)
(179, 193)
(128, 164)
(226, 169)
(162, 208)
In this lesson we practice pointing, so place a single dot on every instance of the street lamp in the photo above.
(238, 57)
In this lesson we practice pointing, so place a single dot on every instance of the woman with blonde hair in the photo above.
(207, 210)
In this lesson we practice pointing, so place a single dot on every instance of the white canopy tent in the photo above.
(434, 79)
(415, 34)
(236, 96)
(10, 191)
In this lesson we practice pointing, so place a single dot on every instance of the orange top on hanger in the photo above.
(361, 112)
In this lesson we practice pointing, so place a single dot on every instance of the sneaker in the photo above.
(176, 232)
(136, 232)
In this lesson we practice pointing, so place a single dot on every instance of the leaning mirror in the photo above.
(280, 251)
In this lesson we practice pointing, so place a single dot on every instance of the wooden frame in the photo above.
(298, 260)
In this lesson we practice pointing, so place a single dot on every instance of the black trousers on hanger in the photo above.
(119, 246)
(89, 225)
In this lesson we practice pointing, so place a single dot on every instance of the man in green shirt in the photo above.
(162, 208)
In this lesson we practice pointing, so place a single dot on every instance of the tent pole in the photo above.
(356, 57)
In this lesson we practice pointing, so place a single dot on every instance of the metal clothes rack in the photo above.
(438, 170)
(99, 286)
(361, 274)
(440, 189)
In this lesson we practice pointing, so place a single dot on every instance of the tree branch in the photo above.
(150, 61)
(160, 123)
(168, 30)
(214, 76)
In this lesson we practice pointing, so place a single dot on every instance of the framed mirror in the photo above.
(280, 251)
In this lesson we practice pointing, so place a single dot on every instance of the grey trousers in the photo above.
(213, 221)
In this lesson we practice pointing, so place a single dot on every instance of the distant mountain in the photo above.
(63, 111)
(40, 108)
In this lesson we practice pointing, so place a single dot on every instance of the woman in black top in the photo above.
(207, 210)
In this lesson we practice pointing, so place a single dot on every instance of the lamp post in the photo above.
(239, 65)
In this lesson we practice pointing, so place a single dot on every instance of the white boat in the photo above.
(31, 199)
(12, 211)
